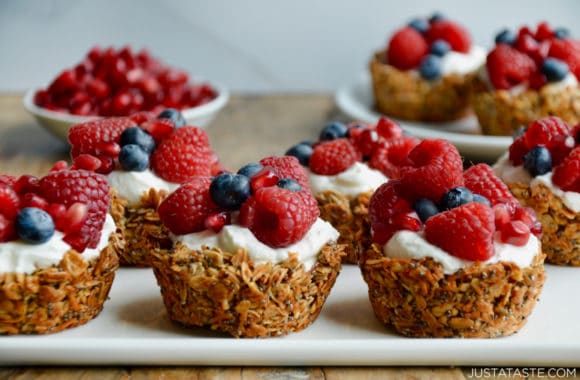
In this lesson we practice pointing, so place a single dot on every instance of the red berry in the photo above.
(7, 230)
(74, 218)
(186, 209)
(264, 178)
(518, 150)
(59, 165)
(567, 50)
(388, 129)
(481, 179)
(86, 162)
(288, 167)
(159, 129)
(435, 166)
(502, 215)
(72, 186)
(279, 217)
(544, 31)
(567, 174)
(406, 49)
(217, 220)
(466, 231)
(9, 202)
(88, 138)
(7, 180)
(391, 155)
(508, 67)
(366, 141)
(334, 156)
(26, 184)
(515, 233)
(33, 200)
(454, 34)
(543, 131)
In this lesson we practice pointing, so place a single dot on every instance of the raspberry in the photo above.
(390, 156)
(465, 231)
(389, 213)
(85, 137)
(544, 31)
(406, 49)
(455, 35)
(543, 131)
(72, 186)
(7, 230)
(435, 167)
(508, 67)
(182, 156)
(567, 174)
(567, 50)
(7, 179)
(388, 129)
(518, 150)
(186, 209)
(9, 202)
(288, 167)
(279, 217)
(334, 156)
(481, 179)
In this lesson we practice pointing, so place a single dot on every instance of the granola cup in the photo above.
(502, 113)
(560, 225)
(227, 292)
(481, 301)
(405, 95)
(350, 216)
(140, 227)
(63, 296)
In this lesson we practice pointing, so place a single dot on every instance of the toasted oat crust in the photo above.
(481, 301)
(60, 297)
(405, 95)
(227, 292)
(140, 227)
(349, 215)
(561, 226)
(501, 113)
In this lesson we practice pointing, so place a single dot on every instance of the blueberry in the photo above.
(250, 169)
(554, 69)
(34, 225)
(561, 33)
(436, 16)
(481, 199)
(520, 131)
(229, 190)
(420, 25)
(505, 36)
(302, 152)
(425, 208)
(133, 159)
(289, 184)
(174, 115)
(430, 67)
(456, 197)
(440, 48)
(138, 136)
(538, 161)
(333, 131)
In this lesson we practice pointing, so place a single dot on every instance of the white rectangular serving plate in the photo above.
(133, 329)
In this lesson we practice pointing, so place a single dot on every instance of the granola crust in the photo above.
(349, 215)
(227, 292)
(405, 95)
(60, 297)
(481, 301)
(561, 226)
(501, 113)
(140, 227)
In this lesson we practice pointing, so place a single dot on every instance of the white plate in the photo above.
(356, 100)
(134, 329)
(58, 123)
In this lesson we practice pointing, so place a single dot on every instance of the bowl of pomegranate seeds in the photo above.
(119, 82)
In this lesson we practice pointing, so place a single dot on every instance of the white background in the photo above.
(249, 45)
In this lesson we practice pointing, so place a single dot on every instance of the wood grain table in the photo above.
(250, 127)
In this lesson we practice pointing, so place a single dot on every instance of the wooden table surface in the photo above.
(250, 127)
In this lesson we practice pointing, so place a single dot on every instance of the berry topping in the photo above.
(456, 197)
(440, 48)
(88, 137)
(507, 67)
(34, 225)
(288, 167)
(466, 231)
(133, 158)
(302, 152)
(174, 115)
(250, 169)
(138, 136)
(333, 131)
(9, 201)
(421, 25)
(388, 129)
(431, 68)
(392, 155)
(425, 208)
(435, 166)
(505, 36)
(561, 33)
(333, 157)
(455, 35)
(263, 178)
(406, 49)
(481, 179)
(567, 174)
(554, 69)
(187, 209)
(289, 184)
(515, 232)
(229, 191)
(538, 161)
(567, 50)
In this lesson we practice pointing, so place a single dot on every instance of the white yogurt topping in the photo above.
(354, 180)
(21, 257)
(504, 169)
(412, 245)
(232, 237)
(463, 63)
(132, 185)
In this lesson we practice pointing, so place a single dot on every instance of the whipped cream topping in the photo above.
(412, 245)
(463, 63)
(21, 257)
(233, 237)
(509, 173)
(131, 185)
(354, 180)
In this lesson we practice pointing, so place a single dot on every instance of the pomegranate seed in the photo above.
(217, 221)
(98, 88)
(264, 178)
(388, 129)
(74, 217)
(59, 165)
(515, 233)
(107, 164)
(501, 216)
(109, 149)
(57, 211)
(159, 129)
(367, 142)
(26, 184)
(34, 200)
(86, 162)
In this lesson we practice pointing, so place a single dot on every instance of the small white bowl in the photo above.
(58, 123)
